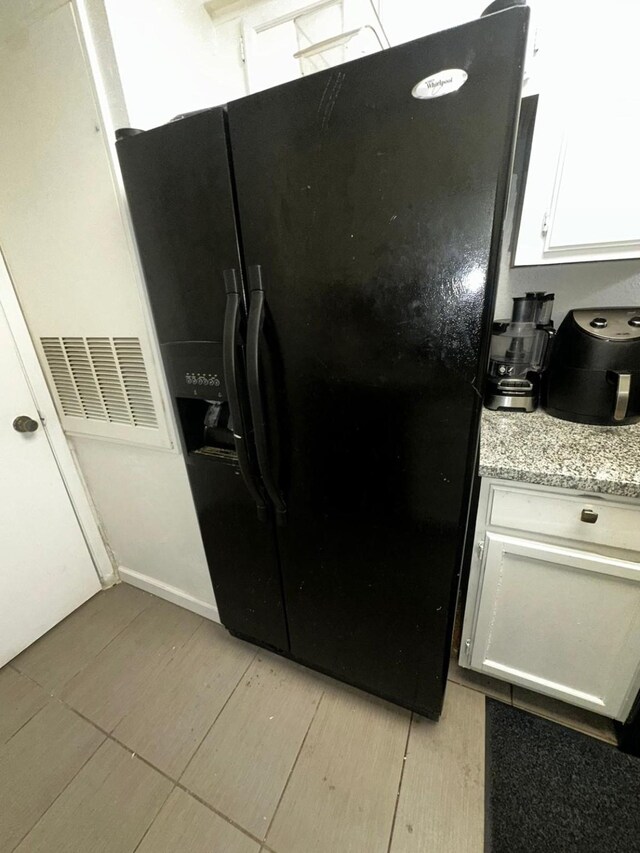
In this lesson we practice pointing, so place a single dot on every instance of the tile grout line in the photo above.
(220, 814)
(119, 743)
(108, 735)
(124, 746)
(144, 834)
(404, 764)
(215, 720)
(100, 650)
(178, 650)
(49, 697)
(26, 722)
(159, 673)
(174, 782)
(30, 678)
(293, 767)
(141, 758)
(84, 717)
(60, 793)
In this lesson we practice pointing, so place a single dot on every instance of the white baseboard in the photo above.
(169, 593)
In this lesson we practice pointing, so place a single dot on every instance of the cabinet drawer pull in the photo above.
(589, 516)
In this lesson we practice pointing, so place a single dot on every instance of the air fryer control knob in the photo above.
(600, 322)
(635, 322)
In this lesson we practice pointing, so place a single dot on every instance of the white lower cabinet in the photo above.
(551, 616)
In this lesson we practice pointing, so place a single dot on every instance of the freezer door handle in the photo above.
(230, 364)
(254, 330)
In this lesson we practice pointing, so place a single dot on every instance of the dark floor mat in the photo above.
(552, 790)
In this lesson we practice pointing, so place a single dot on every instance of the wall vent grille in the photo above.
(101, 379)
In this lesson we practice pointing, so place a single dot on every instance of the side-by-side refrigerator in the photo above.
(320, 259)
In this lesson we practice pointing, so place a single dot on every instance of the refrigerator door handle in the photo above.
(229, 357)
(254, 329)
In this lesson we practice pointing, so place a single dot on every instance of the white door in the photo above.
(46, 570)
(559, 621)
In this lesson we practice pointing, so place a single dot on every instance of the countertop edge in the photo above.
(545, 451)
(560, 481)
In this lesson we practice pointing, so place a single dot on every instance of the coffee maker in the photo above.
(519, 349)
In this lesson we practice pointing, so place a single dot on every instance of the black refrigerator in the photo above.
(320, 259)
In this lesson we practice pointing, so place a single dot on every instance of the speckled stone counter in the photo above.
(536, 448)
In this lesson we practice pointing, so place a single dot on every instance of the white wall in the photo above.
(405, 20)
(76, 273)
(164, 50)
(144, 503)
(149, 64)
(226, 56)
(602, 284)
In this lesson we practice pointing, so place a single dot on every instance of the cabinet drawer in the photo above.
(615, 525)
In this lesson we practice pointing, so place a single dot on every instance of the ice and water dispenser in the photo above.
(196, 378)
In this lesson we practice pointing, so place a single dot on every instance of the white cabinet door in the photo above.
(582, 194)
(559, 621)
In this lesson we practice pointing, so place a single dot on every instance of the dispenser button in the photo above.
(635, 322)
(598, 323)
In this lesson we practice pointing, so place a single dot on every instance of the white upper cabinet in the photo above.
(582, 193)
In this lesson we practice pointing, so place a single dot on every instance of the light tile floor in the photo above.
(135, 725)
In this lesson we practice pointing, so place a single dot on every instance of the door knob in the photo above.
(23, 423)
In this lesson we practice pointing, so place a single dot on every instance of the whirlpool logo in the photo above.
(442, 83)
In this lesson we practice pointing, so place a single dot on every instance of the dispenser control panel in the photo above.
(211, 379)
(195, 369)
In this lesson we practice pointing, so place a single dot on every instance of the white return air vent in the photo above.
(101, 379)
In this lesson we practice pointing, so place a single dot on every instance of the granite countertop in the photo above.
(537, 448)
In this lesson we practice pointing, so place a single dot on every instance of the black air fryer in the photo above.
(594, 370)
